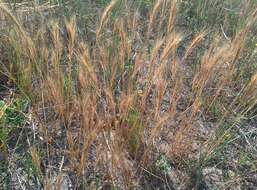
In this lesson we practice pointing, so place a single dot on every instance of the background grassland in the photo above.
(128, 94)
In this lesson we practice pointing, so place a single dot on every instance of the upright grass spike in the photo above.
(105, 17)
(153, 14)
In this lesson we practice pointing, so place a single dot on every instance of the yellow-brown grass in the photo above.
(109, 98)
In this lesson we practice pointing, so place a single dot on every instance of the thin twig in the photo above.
(225, 35)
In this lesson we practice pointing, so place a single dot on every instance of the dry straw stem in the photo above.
(87, 74)
(35, 157)
(248, 96)
(161, 88)
(54, 94)
(88, 140)
(25, 38)
(172, 16)
(175, 96)
(56, 53)
(155, 51)
(71, 29)
(158, 126)
(57, 39)
(198, 38)
(110, 100)
(71, 33)
(252, 85)
(247, 92)
(211, 66)
(125, 104)
(105, 17)
(153, 14)
(123, 45)
(8, 13)
(221, 139)
(159, 72)
(173, 41)
(174, 64)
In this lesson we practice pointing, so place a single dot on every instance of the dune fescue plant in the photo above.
(103, 106)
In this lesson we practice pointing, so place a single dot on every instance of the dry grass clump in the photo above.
(105, 101)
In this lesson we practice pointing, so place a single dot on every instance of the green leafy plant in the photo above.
(163, 164)
(12, 116)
